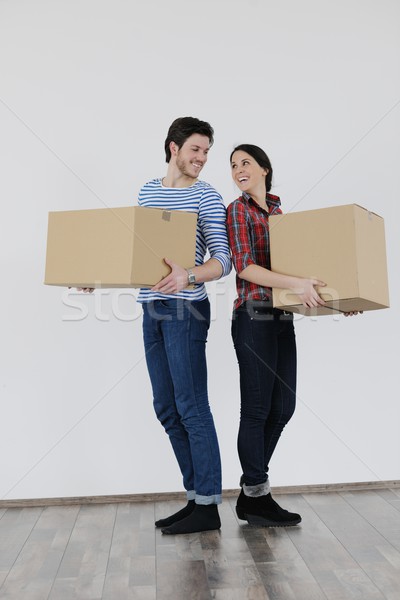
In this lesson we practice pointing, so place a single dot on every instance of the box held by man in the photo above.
(117, 247)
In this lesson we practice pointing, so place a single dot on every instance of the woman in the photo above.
(263, 337)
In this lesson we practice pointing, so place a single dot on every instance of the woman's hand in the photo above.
(85, 290)
(353, 313)
(305, 289)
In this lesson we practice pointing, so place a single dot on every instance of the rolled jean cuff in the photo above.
(254, 491)
(205, 500)
(190, 494)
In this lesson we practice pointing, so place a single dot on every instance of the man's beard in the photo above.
(186, 168)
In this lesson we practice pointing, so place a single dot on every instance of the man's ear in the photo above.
(173, 148)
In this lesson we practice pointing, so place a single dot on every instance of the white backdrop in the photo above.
(88, 89)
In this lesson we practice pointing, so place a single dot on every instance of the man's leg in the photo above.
(185, 339)
(164, 403)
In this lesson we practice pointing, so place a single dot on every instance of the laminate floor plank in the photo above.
(16, 526)
(131, 571)
(324, 564)
(380, 513)
(282, 570)
(182, 580)
(289, 581)
(230, 566)
(220, 561)
(346, 548)
(335, 568)
(384, 558)
(395, 491)
(33, 573)
(180, 568)
(83, 568)
(368, 547)
(390, 497)
(257, 592)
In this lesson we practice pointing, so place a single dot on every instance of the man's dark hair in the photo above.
(182, 128)
(260, 157)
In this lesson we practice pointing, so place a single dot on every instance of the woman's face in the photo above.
(248, 175)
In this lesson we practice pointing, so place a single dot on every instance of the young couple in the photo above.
(176, 319)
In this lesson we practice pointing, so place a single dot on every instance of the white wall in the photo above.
(88, 89)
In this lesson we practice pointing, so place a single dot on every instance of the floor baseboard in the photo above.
(165, 496)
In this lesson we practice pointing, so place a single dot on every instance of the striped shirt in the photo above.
(248, 232)
(211, 235)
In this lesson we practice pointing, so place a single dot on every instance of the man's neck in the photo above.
(176, 179)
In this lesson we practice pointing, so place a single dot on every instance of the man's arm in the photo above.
(212, 219)
(178, 279)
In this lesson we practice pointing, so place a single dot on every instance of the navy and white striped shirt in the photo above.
(211, 234)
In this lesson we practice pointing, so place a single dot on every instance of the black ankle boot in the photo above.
(263, 511)
(204, 517)
(178, 516)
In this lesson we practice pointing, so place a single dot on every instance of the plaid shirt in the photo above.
(248, 234)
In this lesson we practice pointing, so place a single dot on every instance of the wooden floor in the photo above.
(348, 546)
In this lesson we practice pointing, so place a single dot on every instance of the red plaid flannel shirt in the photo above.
(248, 233)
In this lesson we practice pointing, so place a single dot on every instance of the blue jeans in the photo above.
(175, 335)
(265, 346)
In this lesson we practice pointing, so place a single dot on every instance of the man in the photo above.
(176, 318)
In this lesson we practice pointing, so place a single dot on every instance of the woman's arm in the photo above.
(246, 268)
(303, 287)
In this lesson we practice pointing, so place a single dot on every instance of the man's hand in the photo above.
(173, 283)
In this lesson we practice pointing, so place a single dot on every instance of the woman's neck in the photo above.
(259, 199)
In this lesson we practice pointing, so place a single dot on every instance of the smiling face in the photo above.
(191, 157)
(248, 175)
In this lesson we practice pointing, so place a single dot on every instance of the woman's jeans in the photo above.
(175, 335)
(265, 346)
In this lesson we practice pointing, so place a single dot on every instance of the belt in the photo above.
(262, 307)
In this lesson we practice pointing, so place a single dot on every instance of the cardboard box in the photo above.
(117, 247)
(344, 246)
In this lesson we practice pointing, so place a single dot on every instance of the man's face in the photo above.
(192, 156)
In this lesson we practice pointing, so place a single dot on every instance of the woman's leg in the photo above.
(256, 351)
(265, 348)
(283, 400)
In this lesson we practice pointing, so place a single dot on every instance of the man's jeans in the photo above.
(265, 347)
(175, 335)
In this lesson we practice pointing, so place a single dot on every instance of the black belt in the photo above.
(262, 307)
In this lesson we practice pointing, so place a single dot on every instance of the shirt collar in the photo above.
(273, 202)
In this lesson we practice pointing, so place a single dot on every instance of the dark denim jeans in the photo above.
(175, 335)
(265, 346)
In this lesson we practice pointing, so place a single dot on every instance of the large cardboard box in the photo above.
(117, 247)
(344, 246)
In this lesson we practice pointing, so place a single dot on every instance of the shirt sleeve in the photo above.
(238, 234)
(212, 221)
(140, 195)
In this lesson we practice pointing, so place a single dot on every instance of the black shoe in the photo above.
(178, 516)
(205, 517)
(263, 511)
